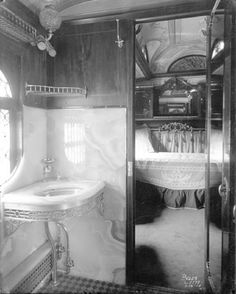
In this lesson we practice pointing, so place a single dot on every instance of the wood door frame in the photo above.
(130, 165)
(229, 122)
(229, 148)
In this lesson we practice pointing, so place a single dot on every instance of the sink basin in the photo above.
(59, 192)
(53, 200)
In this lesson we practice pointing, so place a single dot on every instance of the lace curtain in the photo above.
(181, 141)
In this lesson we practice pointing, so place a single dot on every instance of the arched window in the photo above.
(7, 105)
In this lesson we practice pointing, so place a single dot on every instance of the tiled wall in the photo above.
(97, 242)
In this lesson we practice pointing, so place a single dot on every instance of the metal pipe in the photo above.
(54, 252)
(69, 261)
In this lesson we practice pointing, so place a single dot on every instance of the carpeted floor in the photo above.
(170, 247)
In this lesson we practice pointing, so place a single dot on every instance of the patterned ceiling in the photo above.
(168, 41)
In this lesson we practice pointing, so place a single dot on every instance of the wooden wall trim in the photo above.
(25, 13)
(130, 186)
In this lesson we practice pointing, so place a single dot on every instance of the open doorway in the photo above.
(170, 153)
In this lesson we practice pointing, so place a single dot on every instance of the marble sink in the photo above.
(52, 199)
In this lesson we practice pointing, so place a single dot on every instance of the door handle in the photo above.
(222, 190)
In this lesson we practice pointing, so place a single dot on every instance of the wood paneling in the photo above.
(87, 56)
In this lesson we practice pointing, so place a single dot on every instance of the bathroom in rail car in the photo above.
(117, 146)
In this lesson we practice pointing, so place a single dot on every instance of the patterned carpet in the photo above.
(72, 284)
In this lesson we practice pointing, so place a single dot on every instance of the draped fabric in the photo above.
(177, 165)
(181, 141)
(177, 171)
(147, 192)
(143, 142)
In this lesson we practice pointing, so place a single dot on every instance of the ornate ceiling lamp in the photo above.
(50, 19)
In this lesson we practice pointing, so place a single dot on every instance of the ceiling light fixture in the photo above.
(44, 44)
(50, 19)
(41, 42)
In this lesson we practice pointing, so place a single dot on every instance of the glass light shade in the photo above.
(51, 51)
(40, 41)
(50, 18)
(41, 46)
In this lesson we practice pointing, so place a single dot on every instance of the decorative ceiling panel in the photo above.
(188, 63)
(168, 41)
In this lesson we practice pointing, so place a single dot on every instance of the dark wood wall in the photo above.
(87, 56)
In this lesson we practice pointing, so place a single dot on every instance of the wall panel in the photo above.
(87, 56)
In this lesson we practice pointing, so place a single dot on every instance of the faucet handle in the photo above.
(48, 160)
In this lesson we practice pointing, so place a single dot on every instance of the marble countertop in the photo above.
(52, 195)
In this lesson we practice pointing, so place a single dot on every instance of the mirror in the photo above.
(169, 224)
(171, 68)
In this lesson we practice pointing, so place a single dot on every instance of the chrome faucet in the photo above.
(48, 167)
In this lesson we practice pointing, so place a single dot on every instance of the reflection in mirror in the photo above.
(166, 42)
(170, 154)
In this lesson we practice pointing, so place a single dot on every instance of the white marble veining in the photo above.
(89, 144)
(65, 194)
(29, 236)
(97, 243)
